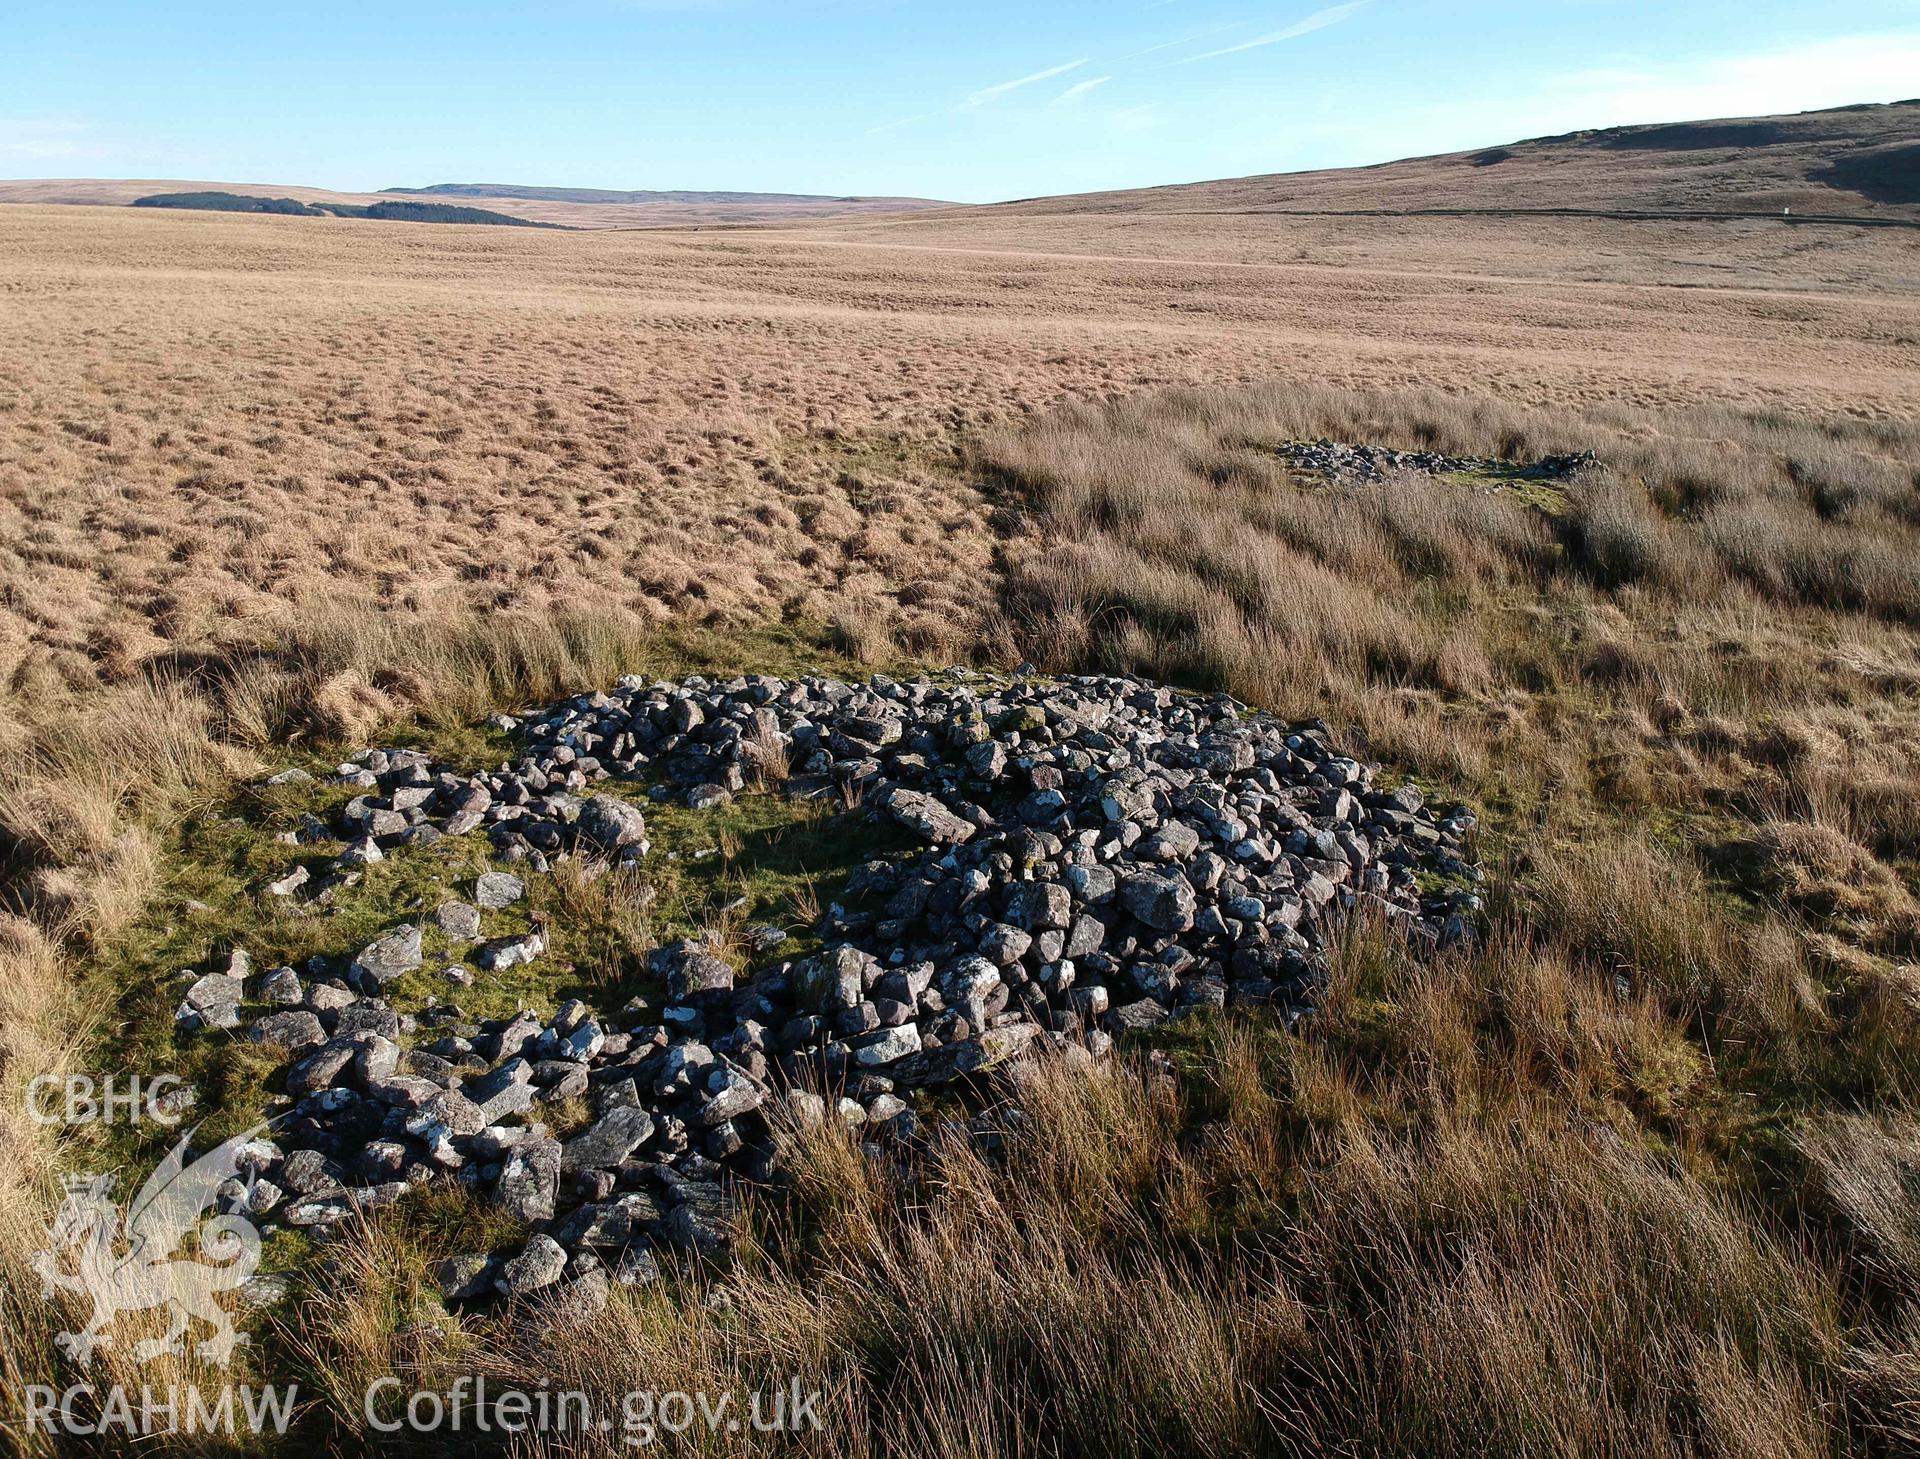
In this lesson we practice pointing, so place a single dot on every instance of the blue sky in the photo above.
(972, 102)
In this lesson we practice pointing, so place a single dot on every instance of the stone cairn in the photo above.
(1338, 461)
(1096, 855)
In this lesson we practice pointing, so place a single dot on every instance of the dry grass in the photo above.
(1629, 1180)
(1612, 653)
(1426, 1228)
(208, 418)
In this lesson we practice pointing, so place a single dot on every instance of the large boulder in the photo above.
(609, 825)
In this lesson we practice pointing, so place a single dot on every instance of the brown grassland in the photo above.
(1638, 1175)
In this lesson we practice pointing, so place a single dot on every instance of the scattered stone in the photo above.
(1097, 856)
(282, 986)
(212, 1000)
(458, 920)
(502, 953)
(391, 955)
(363, 852)
(927, 817)
(1339, 462)
(287, 885)
(494, 890)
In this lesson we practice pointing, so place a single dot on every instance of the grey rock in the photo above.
(886, 1046)
(392, 955)
(1043, 906)
(609, 825)
(287, 885)
(458, 920)
(693, 1229)
(735, 1096)
(542, 1263)
(611, 1225)
(968, 1056)
(1147, 1013)
(636, 1268)
(1166, 903)
(464, 1278)
(691, 969)
(608, 1141)
(281, 986)
(215, 991)
(265, 1289)
(494, 890)
(530, 1180)
(501, 953)
(927, 817)
(294, 1029)
(317, 1211)
(833, 980)
(322, 1068)
(1092, 884)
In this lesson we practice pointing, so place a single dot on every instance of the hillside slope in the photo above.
(1859, 161)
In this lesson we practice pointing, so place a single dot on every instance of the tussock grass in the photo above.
(337, 671)
(1632, 1178)
(1718, 620)
(1431, 1224)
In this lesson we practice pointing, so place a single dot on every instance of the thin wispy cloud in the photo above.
(1078, 91)
(1319, 20)
(36, 139)
(993, 93)
(973, 100)
(1185, 40)
(976, 99)
(925, 116)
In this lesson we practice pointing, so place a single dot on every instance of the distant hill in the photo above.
(384, 212)
(1853, 161)
(642, 196)
(218, 202)
(565, 207)
(404, 212)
